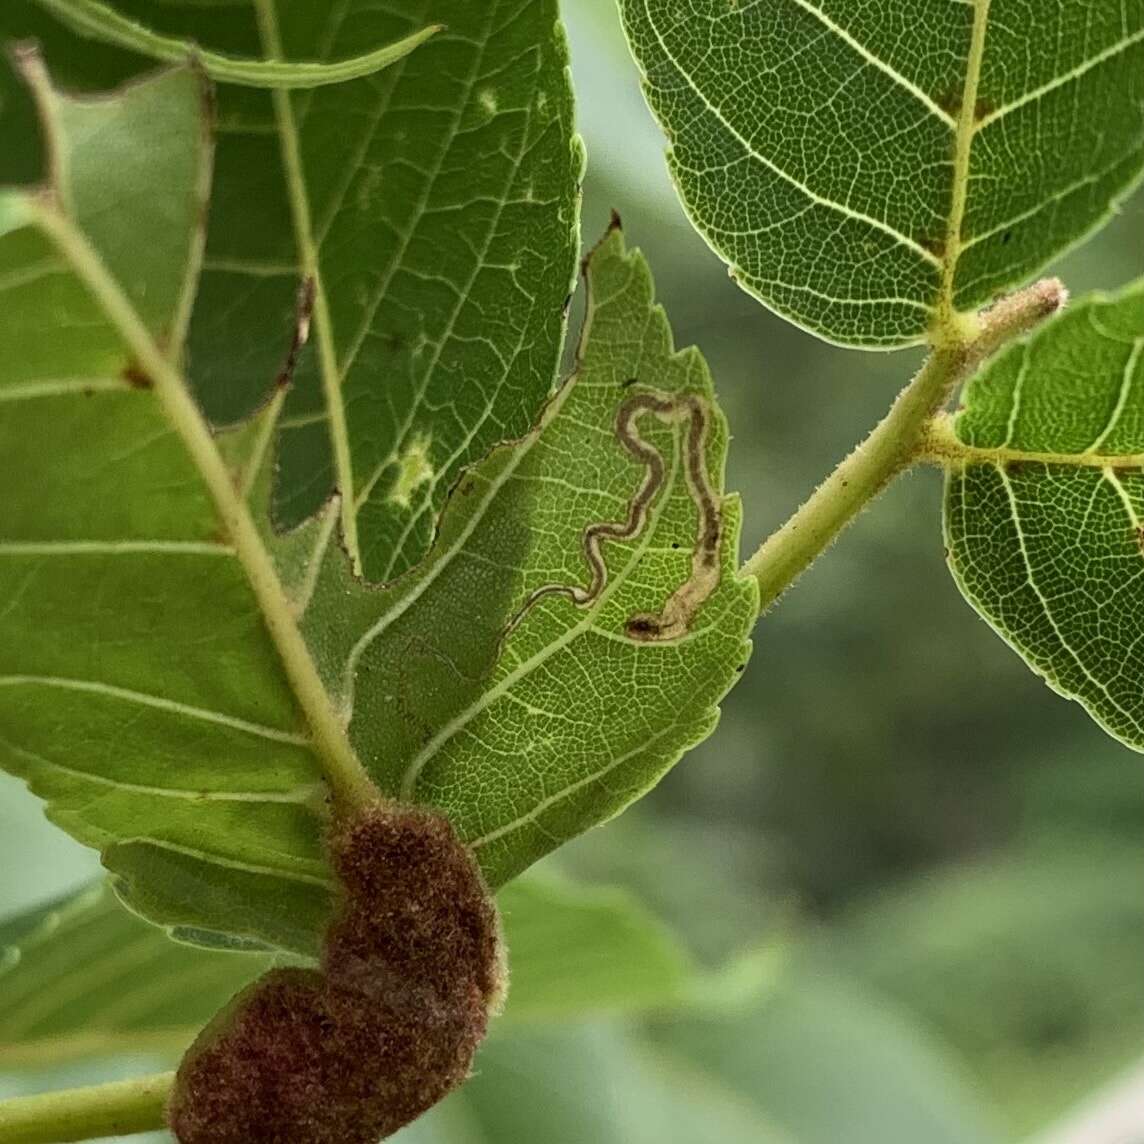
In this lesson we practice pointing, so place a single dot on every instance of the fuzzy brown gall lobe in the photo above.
(412, 968)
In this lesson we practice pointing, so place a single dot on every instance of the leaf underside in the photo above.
(815, 144)
(140, 694)
(139, 691)
(437, 201)
(1046, 536)
(446, 228)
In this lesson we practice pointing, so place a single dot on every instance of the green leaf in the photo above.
(177, 691)
(463, 185)
(530, 721)
(140, 692)
(435, 203)
(82, 978)
(866, 170)
(1045, 503)
(91, 18)
(527, 737)
(145, 153)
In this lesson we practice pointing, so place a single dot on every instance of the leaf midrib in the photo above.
(941, 443)
(948, 324)
(346, 776)
(333, 372)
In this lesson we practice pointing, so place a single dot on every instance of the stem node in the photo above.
(907, 434)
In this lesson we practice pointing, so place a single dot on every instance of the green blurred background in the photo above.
(944, 859)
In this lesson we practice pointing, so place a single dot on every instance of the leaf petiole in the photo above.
(117, 1109)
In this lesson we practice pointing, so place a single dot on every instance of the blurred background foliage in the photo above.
(942, 861)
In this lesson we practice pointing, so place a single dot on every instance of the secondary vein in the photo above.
(310, 268)
(873, 60)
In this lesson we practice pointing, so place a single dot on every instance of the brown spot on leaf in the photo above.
(936, 246)
(303, 312)
(950, 101)
(643, 627)
(136, 377)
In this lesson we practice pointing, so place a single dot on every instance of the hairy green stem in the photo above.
(857, 480)
(911, 432)
(118, 1109)
(959, 342)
